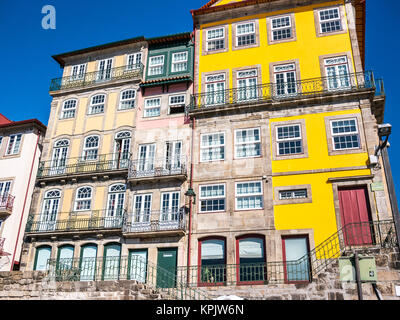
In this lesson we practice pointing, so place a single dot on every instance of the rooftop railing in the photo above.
(82, 165)
(76, 221)
(155, 221)
(6, 202)
(97, 77)
(282, 91)
(157, 167)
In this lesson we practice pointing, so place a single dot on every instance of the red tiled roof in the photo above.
(4, 119)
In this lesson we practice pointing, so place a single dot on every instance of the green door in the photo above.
(166, 268)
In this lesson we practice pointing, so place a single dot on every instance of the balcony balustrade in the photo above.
(151, 222)
(160, 169)
(275, 92)
(6, 205)
(77, 221)
(83, 165)
(90, 79)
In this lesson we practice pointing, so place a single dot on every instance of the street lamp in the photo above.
(191, 194)
(384, 131)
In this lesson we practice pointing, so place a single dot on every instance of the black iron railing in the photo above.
(155, 221)
(133, 267)
(81, 165)
(76, 221)
(97, 77)
(6, 202)
(282, 91)
(157, 167)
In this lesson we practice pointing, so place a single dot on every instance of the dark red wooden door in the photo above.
(355, 215)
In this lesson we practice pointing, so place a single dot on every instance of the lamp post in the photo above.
(384, 131)
(192, 200)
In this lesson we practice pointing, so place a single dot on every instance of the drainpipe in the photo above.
(26, 196)
(358, 276)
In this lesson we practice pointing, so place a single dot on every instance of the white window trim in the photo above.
(83, 199)
(79, 75)
(292, 191)
(244, 34)
(90, 148)
(152, 107)
(214, 146)
(173, 63)
(357, 132)
(136, 54)
(143, 195)
(333, 19)
(288, 139)
(120, 99)
(63, 109)
(161, 64)
(92, 105)
(214, 39)
(281, 28)
(261, 193)
(213, 197)
(244, 143)
(13, 151)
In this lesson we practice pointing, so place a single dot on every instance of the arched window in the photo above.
(68, 109)
(88, 262)
(212, 256)
(48, 216)
(127, 99)
(65, 257)
(112, 253)
(115, 206)
(83, 199)
(97, 104)
(250, 256)
(59, 158)
(42, 257)
(122, 149)
(91, 148)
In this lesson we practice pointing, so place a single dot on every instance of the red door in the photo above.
(355, 215)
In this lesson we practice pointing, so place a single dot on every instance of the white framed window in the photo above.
(212, 198)
(179, 61)
(105, 68)
(173, 155)
(281, 28)
(146, 157)
(215, 39)
(169, 206)
(14, 144)
(91, 148)
(247, 84)
(68, 109)
(5, 187)
(1, 139)
(289, 140)
(293, 194)
(83, 200)
(215, 89)
(247, 143)
(127, 99)
(156, 65)
(212, 147)
(177, 103)
(134, 61)
(97, 104)
(337, 71)
(330, 20)
(345, 134)
(78, 71)
(285, 79)
(59, 158)
(152, 107)
(248, 195)
(245, 34)
(142, 208)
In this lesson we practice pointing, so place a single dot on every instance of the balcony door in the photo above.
(138, 265)
(4, 191)
(173, 153)
(122, 149)
(285, 79)
(111, 262)
(48, 216)
(88, 264)
(169, 218)
(141, 212)
(247, 85)
(115, 206)
(59, 158)
(104, 72)
(337, 71)
(146, 158)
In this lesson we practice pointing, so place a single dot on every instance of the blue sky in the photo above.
(26, 48)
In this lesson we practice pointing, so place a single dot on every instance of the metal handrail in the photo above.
(150, 221)
(97, 77)
(157, 167)
(282, 91)
(79, 165)
(76, 221)
(7, 202)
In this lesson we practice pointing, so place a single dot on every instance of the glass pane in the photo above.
(43, 255)
(296, 249)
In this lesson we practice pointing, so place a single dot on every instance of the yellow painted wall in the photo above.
(307, 48)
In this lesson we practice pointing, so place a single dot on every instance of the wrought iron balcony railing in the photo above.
(97, 77)
(77, 221)
(82, 165)
(282, 91)
(6, 203)
(157, 168)
(155, 221)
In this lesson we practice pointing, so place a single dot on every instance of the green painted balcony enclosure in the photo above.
(93, 163)
(283, 91)
(90, 79)
(53, 222)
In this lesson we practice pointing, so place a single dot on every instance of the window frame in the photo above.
(13, 143)
(270, 29)
(318, 22)
(205, 40)
(236, 144)
(186, 52)
(93, 105)
(146, 108)
(127, 100)
(345, 134)
(89, 199)
(137, 64)
(79, 75)
(176, 104)
(278, 201)
(215, 146)
(63, 111)
(261, 194)
(213, 197)
(85, 148)
(199, 250)
(236, 34)
(162, 65)
(283, 243)
(283, 140)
